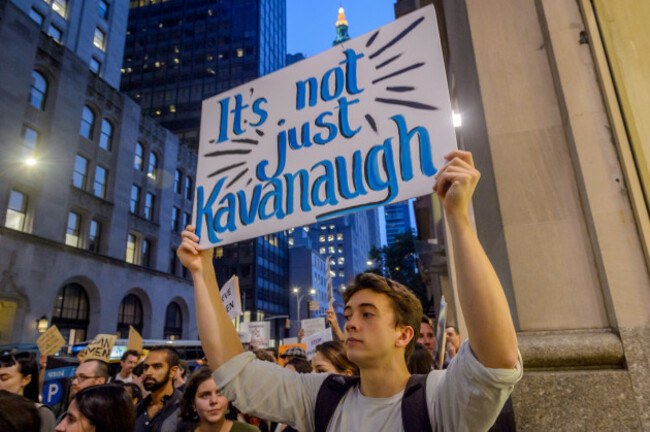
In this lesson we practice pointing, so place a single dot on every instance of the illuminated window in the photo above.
(339, 236)
(322, 250)
(341, 260)
(341, 273)
(290, 241)
(321, 238)
(153, 166)
(131, 242)
(330, 237)
(72, 230)
(330, 249)
(339, 249)
(17, 211)
(60, 7)
(100, 39)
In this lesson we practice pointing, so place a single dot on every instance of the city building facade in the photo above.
(398, 220)
(554, 98)
(94, 30)
(93, 195)
(307, 272)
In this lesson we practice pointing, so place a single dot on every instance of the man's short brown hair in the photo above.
(407, 307)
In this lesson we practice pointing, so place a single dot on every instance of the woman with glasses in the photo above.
(19, 375)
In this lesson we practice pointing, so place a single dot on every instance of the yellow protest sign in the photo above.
(135, 340)
(50, 342)
(100, 348)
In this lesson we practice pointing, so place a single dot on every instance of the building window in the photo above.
(106, 136)
(100, 39)
(339, 248)
(321, 238)
(149, 201)
(341, 260)
(153, 166)
(330, 249)
(102, 10)
(17, 211)
(175, 216)
(38, 91)
(60, 7)
(173, 262)
(330, 237)
(72, 230)
(71, 312)
(188, 188)
(339, 236)
(30, 139)
(100, 182)
(146, 253)
(131, 245)
(187, 218)
(87, 123)
(55, 33)
(173, 322)
(177, 181)
(139, 159)
(322, 250)
(36, 16)
(341, 273)
(95, 65)
(134, 205)
(80, 175)
(129, 314)
(94, 235)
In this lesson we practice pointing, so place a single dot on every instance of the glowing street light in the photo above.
(30, 161)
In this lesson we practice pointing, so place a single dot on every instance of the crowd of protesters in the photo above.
(381, 373)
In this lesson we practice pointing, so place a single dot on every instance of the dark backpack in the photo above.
(415, 414)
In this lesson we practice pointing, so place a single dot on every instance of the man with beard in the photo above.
(159, 411)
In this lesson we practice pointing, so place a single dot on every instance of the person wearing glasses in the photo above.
(88, 373)
(19, 375)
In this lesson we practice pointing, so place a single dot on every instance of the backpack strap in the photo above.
(415, 413)
(329, 395)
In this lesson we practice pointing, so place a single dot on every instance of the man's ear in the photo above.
(404, 336)
(172, 371)
(26, 380)
(102, 380)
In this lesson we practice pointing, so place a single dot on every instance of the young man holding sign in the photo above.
(382, 323)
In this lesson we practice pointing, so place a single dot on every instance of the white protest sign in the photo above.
(316, 339)
(231, 298)
(100, 348)
(312, 325)
(260, 333)
(363, 124)
(289, 341)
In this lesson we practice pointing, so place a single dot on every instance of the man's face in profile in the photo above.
(427, 337)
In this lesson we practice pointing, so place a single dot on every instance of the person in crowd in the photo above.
(127, 363)
(89, 373)
(427, 335)
(330, 317)
(19, 375)
(181, 375)
(298, 364)
(203, 408)
(137, 378)
(293, 352)
(382, 324)
(17, 413)
(264, 355)
(452, 337)
(160, 408)
(99, 408)
(134, 391)
(421, 361)
(330, 358)
(273, 352)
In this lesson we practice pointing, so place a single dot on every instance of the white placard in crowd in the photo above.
(231, 298)
(364, 124)
(289, 341)
(316, 339)
(312, 325)
(260, 333)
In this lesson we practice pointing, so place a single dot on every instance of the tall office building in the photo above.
(92, 197)
(398, 220)
(179, 52)
(93, 29)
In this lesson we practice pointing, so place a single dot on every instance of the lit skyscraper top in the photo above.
(341, 28)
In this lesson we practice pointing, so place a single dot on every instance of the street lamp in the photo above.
(296, 291)
(41, 324)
